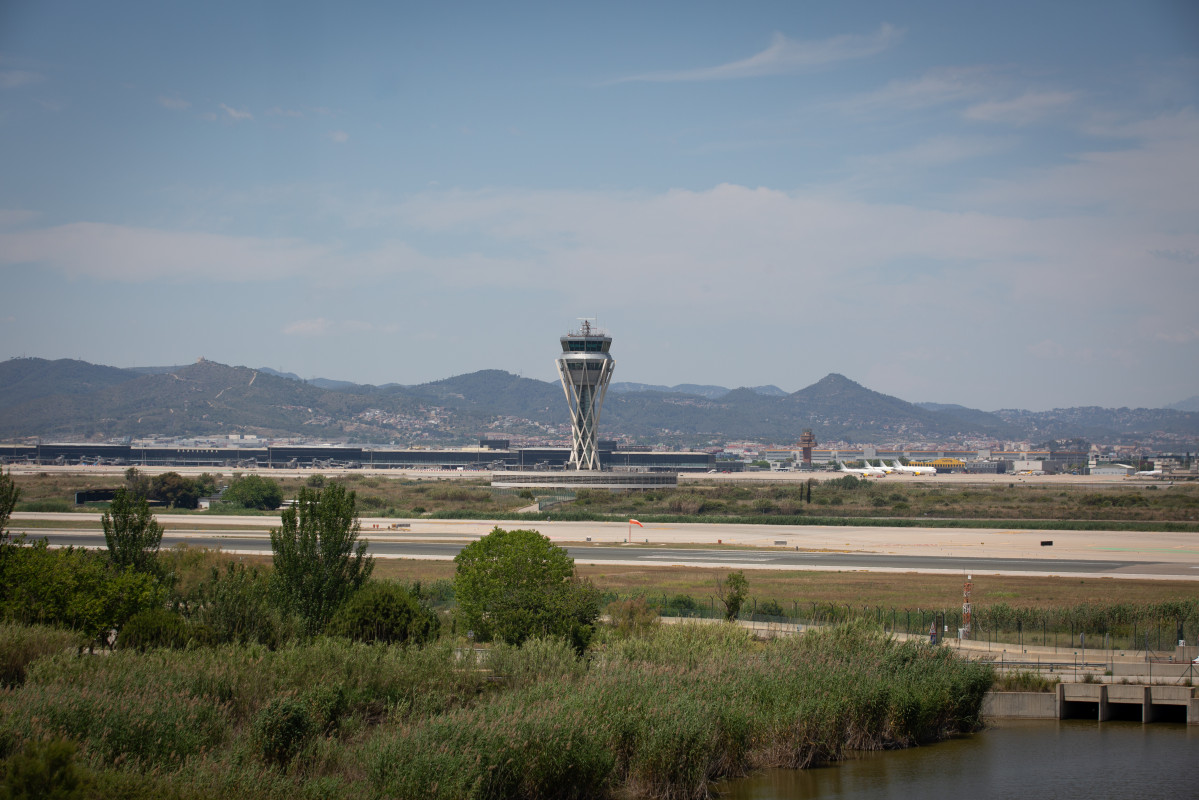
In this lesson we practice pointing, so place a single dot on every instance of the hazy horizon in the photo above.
(554, 380)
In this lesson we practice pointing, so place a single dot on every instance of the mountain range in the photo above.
(74, 400)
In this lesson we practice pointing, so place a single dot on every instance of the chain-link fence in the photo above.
(1152, 627)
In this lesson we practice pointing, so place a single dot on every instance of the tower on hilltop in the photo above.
(585, 368)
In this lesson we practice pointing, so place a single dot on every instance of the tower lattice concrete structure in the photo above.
(585, 368)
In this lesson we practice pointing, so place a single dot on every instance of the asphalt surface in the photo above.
(645, 555)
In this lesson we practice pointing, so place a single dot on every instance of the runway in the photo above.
(795, 557)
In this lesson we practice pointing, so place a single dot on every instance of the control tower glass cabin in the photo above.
(585, 368)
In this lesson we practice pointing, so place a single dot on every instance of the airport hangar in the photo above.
(494, 455)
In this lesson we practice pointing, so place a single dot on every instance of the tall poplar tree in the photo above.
(131, 532)
(319, 561)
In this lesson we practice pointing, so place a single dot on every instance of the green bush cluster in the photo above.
(281, 728)
(253, 491)
(238, 604)
(44, 770)
(159, 627)
(385, 613)
(77, 589)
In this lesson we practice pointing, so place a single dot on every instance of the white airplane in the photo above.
(867, 472)
(1148, 473)
(881, 465)
(906, 470)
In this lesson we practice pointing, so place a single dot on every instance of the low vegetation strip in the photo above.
(660, 715)
(575, 515)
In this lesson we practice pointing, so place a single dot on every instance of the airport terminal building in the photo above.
(494, 455)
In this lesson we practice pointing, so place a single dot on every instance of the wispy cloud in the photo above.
(308, 327)
(339, 137)
(1178, 256)
(1177, 335)
(277, 111)
(120, 253)
(175, 103)
(236, 113)
(1023, 110)
(934, 88)
(783, 56)
(933, 152)
(11, 79)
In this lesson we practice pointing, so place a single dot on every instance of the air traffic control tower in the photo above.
(585, 368)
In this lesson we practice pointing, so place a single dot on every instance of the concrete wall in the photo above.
(1155, 670)
(1020, 705)
(1093, 701)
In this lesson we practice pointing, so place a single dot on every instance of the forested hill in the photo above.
(76, 400)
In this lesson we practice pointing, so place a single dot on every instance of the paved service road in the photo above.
(731, 557)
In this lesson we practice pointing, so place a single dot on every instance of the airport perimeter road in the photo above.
(932, 560)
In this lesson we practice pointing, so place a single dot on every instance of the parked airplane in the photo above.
(868, 472)
(881, 465)
(1148, 473)
(913, 470)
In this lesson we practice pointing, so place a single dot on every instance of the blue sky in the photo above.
(995, 205)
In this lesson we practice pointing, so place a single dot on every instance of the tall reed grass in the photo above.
(661, 715)
(667, 715)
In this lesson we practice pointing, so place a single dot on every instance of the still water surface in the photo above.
(1010, 759)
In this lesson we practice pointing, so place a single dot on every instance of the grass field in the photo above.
(899, 590)
(843, 498)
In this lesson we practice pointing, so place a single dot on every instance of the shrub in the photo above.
(44, 506)
(45, 769)
(253, 491)
(235, 603)
(21, 645)
(77, 589)
(281, 729)
(771, 608)
(633, 617)
(385, 613)
(157, 627)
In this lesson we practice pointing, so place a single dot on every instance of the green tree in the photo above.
(175, 490)
(78, 589)
(732, 591)
(205, 484)
(319, 561)
(9, 493)
(513, 585)
(131, 533)
(253, 491)
(137, 483)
